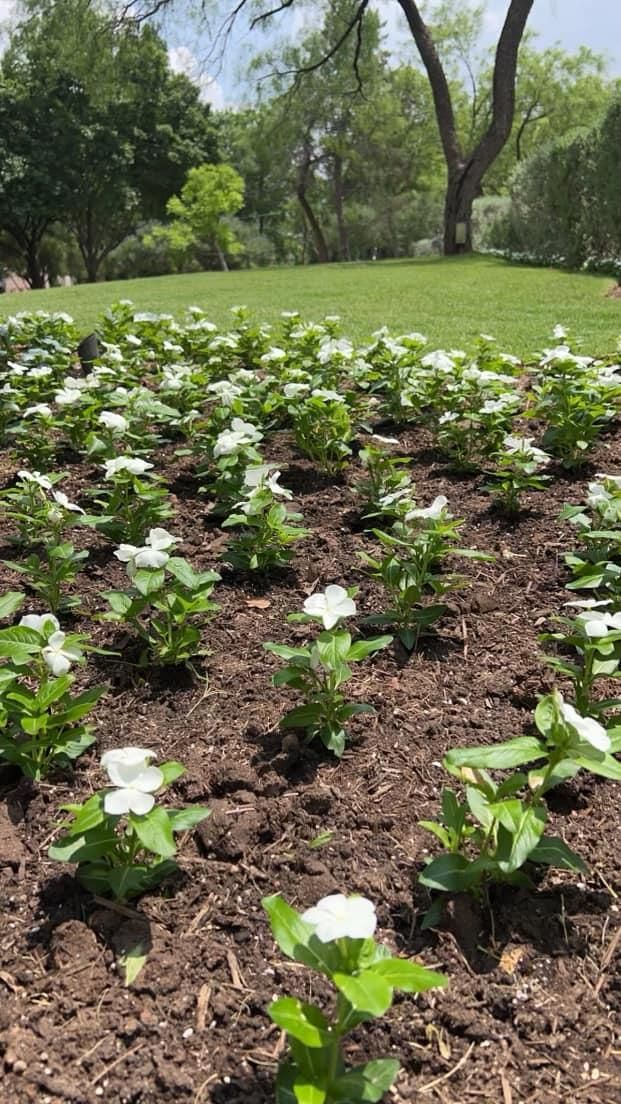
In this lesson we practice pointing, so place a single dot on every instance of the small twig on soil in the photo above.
(122, 910)
(612, 946)
(117, 1062)
(202, 1004)
(507, 1095)
(445, 1076)
(236, 976)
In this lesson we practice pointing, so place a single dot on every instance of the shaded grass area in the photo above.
(451, 300)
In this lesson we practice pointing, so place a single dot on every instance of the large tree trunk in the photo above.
(461, 192)
(465, 173)
(34, 270)
(319, 242)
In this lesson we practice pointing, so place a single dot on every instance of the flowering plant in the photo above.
(267, 533)
(576, 400)
(132, 500)
(517, 470)
(40, 720)
(336, 940)
(412, 567)
(322, 428)
(384, 476)
(121, 839)
(233, 452)
(595, 635)
(166, 594)
(319, 669)
(493, 832)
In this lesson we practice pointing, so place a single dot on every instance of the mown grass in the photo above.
(451, 300)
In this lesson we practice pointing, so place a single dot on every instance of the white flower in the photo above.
(115, 422)
(57, 657)
(292, 390)
(135, 780)
(434, 511)
(131, 464)
(525, 446)
(274, 354)
(438, 361)
(43, 623)
(63, 501)
(39, 408)
(616, 479)
(263, 476)
(340, 917)
(327, 395)
(598, 495)
(152, 555)
(131, 339)
(448, 416)
(67, 396)
(585, 727)
(496, 406)
(559, 332)
(596, 624)
(230, 440)
(36, 477)
(225, 391)
(330, 606)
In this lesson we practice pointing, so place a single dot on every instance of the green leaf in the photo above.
(303, 1021)
(118, 601)
(333, 648)
(307, 1092)
(363, 648)
(171, 770)
(366, 1084)
(606, 766)
(131, 961)
(10, 602)
(283, 651)
(304, 716)
(149, 582)
(183, 820)
(296, 938)
(367, 992)
(450, 873)
(88, 815)
(511, 753)
(524, 825)
(410, 977)
(154, 830)
(86, 847)
(553, 851)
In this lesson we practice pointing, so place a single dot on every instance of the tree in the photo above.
(198, 216)
(466, 166)
(109, 149)
(38, 137)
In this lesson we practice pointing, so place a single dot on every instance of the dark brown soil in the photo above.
(531, 1010)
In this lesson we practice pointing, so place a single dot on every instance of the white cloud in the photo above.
(182, 60)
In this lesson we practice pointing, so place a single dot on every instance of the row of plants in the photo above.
(215, 397)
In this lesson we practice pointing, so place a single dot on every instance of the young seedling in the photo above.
(121, 840)
(40, 719)
(166, 596)
(336, 940)
(319, 669)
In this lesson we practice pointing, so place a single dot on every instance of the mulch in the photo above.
(531, 1012)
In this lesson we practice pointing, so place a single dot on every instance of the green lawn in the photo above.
(449, 299)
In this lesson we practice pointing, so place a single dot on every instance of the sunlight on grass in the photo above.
(451, 300)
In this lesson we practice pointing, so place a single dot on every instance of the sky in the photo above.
(571, 23)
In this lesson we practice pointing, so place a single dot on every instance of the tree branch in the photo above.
(439, 84)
